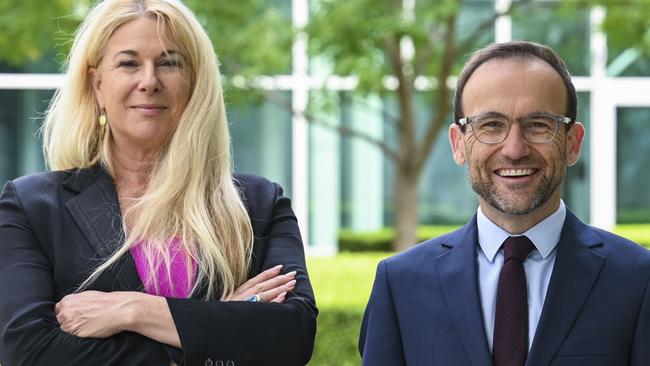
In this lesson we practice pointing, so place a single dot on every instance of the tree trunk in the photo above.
(406, 209)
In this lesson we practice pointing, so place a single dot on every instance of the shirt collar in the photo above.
(545, 235)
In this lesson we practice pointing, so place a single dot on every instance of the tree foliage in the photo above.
(29, 28)
(627, 23)
(250, 36)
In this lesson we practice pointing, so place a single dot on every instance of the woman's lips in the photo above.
(149, 110)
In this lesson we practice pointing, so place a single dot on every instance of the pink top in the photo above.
(179, 288)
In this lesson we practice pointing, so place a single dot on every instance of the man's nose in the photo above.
(515, 146)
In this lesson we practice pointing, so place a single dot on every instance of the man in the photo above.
(525, 281)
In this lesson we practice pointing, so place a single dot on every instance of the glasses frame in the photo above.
(558, 119)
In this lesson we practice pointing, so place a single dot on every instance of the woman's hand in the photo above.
(94, 314)
(269, 285)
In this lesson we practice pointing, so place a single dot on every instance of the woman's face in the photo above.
(142, 82)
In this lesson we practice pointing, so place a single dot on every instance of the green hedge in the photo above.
(380, 240)
(633, 216)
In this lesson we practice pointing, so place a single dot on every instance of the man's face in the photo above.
(516, 177)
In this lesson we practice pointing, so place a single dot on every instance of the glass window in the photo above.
(567, 33)
(362, 162)
(445, 194)
(626, 61)
(576, 186)
(261, 138)
(473, 14)
(20, 143)
(633, 165)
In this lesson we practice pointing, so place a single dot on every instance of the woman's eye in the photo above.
(171, 63)
(127, 64)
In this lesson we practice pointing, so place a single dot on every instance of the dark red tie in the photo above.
(510, 342)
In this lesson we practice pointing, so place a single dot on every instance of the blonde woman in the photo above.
(139, 247)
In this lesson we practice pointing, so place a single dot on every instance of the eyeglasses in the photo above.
(493, 128)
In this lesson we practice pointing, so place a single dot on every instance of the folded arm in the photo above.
(97, 314)
(256, 333)
(29, 331)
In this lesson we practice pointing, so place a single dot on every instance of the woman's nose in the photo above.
(149, 81)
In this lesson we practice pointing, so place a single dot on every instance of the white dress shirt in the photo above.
(538, 266)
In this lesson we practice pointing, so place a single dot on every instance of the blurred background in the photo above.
(346, 103)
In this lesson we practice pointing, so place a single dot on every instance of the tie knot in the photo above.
(517, 247)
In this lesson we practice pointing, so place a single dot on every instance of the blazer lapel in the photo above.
(575, 272)
(96, 211)
(458, 277)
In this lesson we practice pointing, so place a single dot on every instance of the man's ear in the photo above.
(457, 143)
(575, 137)
(95, 84)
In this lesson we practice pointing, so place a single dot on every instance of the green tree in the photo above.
(627, 23)
(404, 40)
(33, 29)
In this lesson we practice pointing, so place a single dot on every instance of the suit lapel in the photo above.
(95, 210)
(574, 274)
(458, 277)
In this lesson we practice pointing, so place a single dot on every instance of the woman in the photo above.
(140, 247)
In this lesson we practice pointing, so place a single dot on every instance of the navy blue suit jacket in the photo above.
(55, 227)
(425, 308)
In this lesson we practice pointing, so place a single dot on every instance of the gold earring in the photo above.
(102, 119)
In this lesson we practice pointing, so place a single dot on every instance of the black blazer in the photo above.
(55, 227)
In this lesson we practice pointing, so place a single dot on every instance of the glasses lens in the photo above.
(539, 128)
(490, 129)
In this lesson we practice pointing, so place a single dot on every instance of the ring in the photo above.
(254, 298)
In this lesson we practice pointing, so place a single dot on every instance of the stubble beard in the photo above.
(509, 205)
(510, 202)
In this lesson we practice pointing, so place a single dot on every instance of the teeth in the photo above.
(514, 172)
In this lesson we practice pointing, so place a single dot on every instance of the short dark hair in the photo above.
(522, 50)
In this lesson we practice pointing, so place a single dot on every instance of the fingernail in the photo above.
(283, 295)
(292, 282)
(291, 274)
(277, 267)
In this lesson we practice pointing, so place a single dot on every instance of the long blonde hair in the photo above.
(191, 195)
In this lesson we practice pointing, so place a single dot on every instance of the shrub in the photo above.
(381, 240)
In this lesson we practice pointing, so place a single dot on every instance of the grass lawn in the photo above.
(342, 285)
(639, 233)
(344, 280)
